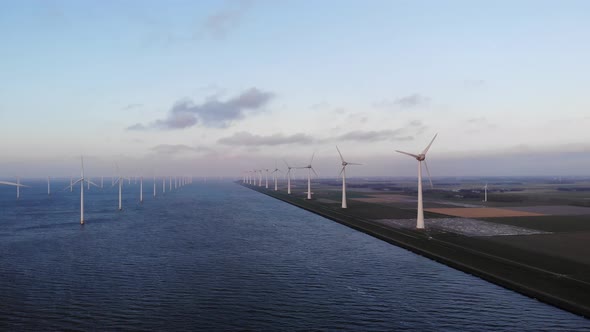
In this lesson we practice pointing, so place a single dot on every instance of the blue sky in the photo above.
(214, 87)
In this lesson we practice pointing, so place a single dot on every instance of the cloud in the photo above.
(137, 126)
(406, 133)
(375, 135)
(171, 149)
(247, 139)
(412, 101)
(476, 125)
(474, 83)
(213, 113)
(408, 102)
(132, 106)
(220, 23)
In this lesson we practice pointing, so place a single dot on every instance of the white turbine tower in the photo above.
(309, 170)
(343, 173)
(18, 187)
(141, 189)
(289, 168)
(266, 177)
(275, 175)
(485, 190)
(48, 186)
(154, 186)
(421, 157)
(81, 180)
(119, 181)
(14, 184)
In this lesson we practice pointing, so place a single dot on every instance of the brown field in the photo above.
(483, 212)
(391, 198)
(555, 210)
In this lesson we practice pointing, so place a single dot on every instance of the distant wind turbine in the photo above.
(275, 175)
(309, 170)
(485, 188)
(48, 186)
(119, 181)
(289, 168)
(81, 180)
(14, 184)
(154, 186)
(266, 177)
(141, 189)
(421, 157)
(343, 173)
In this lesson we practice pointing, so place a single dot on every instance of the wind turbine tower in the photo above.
(14, 184)
(119, 181)
(289, 168)
(421, 158)
(275, 175)
(343, 173)
(309, 170)
(81, 180)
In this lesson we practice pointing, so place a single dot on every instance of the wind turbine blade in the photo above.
(342, 170)
(428, 147)
(286, 163)
(313, 154)
(73, 184)
(313, 170)
(407, 153)
(341, 158)
(92, 183)
(354, 164)
(116, 182)
(428, 171)
(11, 184)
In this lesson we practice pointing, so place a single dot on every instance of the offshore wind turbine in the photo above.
(343, 173)
(266, 177)
(14, 184)
(119, 180)
(18, 187)
(81, 180)
(421, 158)
(154, 186)
(309, 170)
(141, 189)
(48, 186)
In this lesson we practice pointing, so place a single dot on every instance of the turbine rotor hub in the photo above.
(421, 157)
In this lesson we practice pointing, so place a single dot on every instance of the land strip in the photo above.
(561, 282)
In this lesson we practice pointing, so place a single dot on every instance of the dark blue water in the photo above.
(217, 256)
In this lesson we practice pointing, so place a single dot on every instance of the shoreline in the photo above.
(546, 286)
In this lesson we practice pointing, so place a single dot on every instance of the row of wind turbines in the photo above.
(251, 177)
(173, 183)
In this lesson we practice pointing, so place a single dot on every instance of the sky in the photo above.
(214, 88)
